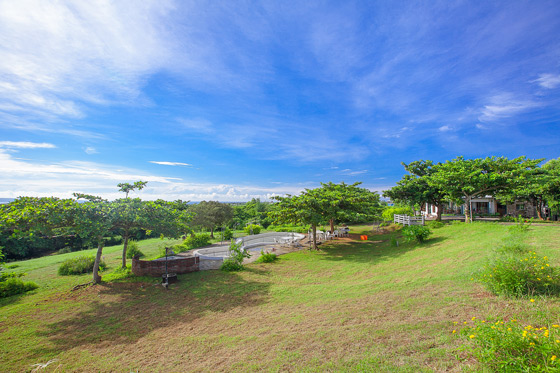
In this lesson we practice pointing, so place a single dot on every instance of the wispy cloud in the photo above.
(26, 145)
(172, 163)
(63, 178)
(90, 150)
(548, 81)
(505, 106)
(349, 172)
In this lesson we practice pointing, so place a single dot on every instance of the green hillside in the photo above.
(352, 306)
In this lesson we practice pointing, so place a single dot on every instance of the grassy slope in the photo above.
(350, 306)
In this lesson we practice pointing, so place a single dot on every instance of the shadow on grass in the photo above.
(123, 313)
(375, 250)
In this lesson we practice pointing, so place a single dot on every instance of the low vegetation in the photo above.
(350, 306)
(79, 265)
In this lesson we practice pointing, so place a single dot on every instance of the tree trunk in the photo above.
(96, 277)
(539, 204)
(439, 211)
(212, 233)
(332, 225)
(314, 229)
(125, 247)
(467, 208)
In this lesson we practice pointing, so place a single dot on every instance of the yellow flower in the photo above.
(474, 317)
(455, 322)
(454, 331)
(553, 357)
(532, 301)
(471, 336)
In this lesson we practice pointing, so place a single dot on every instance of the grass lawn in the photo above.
(353, 305)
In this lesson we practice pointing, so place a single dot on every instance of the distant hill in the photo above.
(6, 200)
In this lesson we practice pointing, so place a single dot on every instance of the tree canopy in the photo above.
(331, 203)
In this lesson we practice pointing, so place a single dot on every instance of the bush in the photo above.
(513, 244)
(228, 234)
(235, 261)
(132, 250)
(256, 229)
(519, 275)
(266, 257)
(13, 285)
(389, 213)
(418, 233)
(508, 346)
(65, 250)
(196, 241)
(79, 265)
(434, 224)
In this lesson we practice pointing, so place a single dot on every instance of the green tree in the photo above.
(417, 188)
(127, 187)
(464, 179)
(211, 214)
(327, 204)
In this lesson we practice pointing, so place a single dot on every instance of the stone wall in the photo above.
(176, 265)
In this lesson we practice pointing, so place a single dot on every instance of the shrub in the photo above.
(196, 241)
(256, 229)
(132, 250)
(418, 233)
(266, 257)
(508, 346)
(79, 265)
(389, 213)
(13, 285)
(235, 261)
(519, 275)
(65, 250)
(434, 224)
(228, 234)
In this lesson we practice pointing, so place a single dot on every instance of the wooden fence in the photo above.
(409, 220)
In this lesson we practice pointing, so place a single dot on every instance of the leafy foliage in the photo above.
(235, 261)
(79, 265)
(508, 346)
(252, 229)
(418, 233)
(390, 212)
(133, 251)
(331, 203)
(13, 286)
(522, 225)
(267, 257)
(196, 241)
(211, 214)
(511, 274)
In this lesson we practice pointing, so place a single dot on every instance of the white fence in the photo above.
(409, 220)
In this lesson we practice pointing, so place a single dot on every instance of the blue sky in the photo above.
(230, 100)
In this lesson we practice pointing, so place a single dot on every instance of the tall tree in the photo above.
(327, 204)
(416, 187)
(211, 214)
(464, 179)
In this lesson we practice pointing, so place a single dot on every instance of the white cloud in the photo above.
(26, 145)
(197, 125)
(90, 150)
(349, 172)
(30, 178)
(548, 81)
(504, 106)
(172, 163)
(444, 128)
(55, 56)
